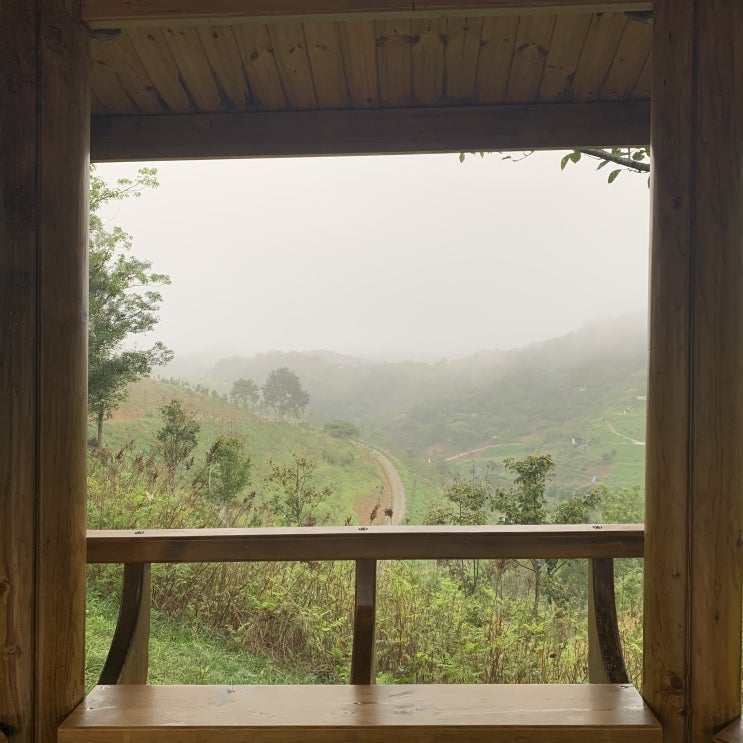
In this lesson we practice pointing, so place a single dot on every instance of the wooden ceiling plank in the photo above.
(118, 13)
(644, 81)
(121, 56)
(326, 60)
(194, 69)
(427, 59)
(223, 56)
(497, 43)
(256, 49)
(290, 53)
(157, 59)
(393, 42)
(562, 59)
(629, 61)
(602, 40)
(107, 88)
(529, 57)
(462, 54)
(370, 131)
(360, 62)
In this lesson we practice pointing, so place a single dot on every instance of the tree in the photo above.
(227, 469)
(341, 429)
(294, 495)
(633, 159)
(178, 437)
(244, 393)
(123, 301)
(283, 393)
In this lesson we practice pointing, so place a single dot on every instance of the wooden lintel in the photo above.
(119, 13)
(370, 131)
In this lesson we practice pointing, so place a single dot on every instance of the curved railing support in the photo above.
(128, 657)
(605, 656)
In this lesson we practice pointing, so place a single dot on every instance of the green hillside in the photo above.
(352, 474)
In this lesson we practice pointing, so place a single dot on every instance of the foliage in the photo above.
(294, 496)
(227, 470)
(468, 502)
(283, 393)
(245, 393)
(341, 429)
(177, 437)
(633, 159)
(525, 503)
(123, 301)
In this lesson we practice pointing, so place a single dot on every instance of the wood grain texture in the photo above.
(529, 57)
(566, 45)
(589, 713)
(629, 61)
(326, 62)
(694, 509)
(461, 56)
(360, 62)
(599, 49)
(733, 733)
(290, 52)
(259, 62)
(427, 59)
(222, 54)
(117, 13)
(370, 131)
(393, 40)
(497, 42)
(360, 543)
(363, 663)
(44, 119)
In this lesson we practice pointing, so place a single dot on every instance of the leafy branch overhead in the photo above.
(635, 159)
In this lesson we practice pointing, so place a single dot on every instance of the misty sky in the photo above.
(386, 257)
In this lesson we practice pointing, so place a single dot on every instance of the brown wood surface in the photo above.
(364, 543)
(733, 733)
(605, 654)
(44, 119)
(557, 713)
(427, 59)
(117, 13)
(530, 53)
(497, 42)
(128, 657)
(599, 50)
(371, 131)
(461, 56)
(363, 665)
(694, 478)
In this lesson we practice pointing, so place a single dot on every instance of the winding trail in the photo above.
(611, 427)
(395, 488)
(477, 451)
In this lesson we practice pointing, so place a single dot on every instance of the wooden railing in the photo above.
(127, 658)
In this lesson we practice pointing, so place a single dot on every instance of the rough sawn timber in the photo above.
(555, 713)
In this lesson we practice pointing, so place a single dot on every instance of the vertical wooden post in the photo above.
(44, 144)
(363, 662)
(694, 514)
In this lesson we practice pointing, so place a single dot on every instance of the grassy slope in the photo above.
(355, 478)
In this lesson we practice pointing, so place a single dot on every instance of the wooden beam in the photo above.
(365, 543)
(370, 131)
(44, 121)
(120, 13)
(694, 476)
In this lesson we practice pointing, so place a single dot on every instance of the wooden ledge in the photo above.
(733, 733)
(583, 713)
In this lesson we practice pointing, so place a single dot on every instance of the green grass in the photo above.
(181, 654)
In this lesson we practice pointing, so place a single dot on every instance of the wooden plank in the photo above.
(290, 53)
(644, 83)
(427, 59)
(194, 72)
(360, 62)
(733, 733)
(694, 477)
(498, 40)
(256, 49)
(106, 83)
(44, 120)
(157, 59)
(492, 713)
(462, 54)
(393, 41)
(529, 57)
(371, 131)
(599, 50)
(225, 62)
(326, 61)
(629, 61)
(119, 13)
(371, 543)
(363, 661)
(568, 39)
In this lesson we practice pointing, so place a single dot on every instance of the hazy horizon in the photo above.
(386, 258)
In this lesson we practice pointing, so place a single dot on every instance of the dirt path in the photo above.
(395, 488)
(476, 451)
(611, 427)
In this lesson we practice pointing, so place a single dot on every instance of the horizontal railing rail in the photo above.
(366, 543)
(127, 659)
